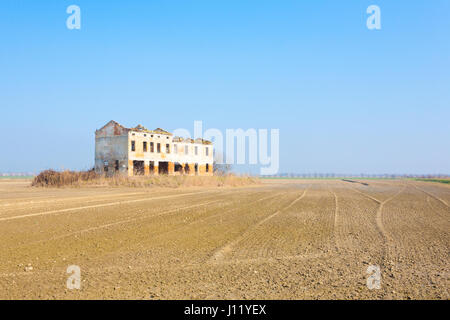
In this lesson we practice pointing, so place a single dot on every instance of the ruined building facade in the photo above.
(138, 151)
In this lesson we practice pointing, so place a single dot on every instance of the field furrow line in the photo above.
(158, 214)
(337, 241)
(226, 249)
(200, 220)
(445, 218)
(272, 259)
(116, 223)
(91, 198)
(366, 195)
(379, 222)
(431, 195)
(100, 206)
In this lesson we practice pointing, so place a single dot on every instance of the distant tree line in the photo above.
(361, 175)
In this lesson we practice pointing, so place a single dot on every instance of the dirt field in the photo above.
(293, 239)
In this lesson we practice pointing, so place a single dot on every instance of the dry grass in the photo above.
(51, 178)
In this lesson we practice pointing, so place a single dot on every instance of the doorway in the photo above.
(138, 168)
(163, 167)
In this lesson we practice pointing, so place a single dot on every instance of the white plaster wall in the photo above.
(180, 157)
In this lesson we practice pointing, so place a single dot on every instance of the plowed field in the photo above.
(293, 239)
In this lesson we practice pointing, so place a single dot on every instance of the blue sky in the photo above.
(345, 98)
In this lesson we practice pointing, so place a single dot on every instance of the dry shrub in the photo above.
(51, 178)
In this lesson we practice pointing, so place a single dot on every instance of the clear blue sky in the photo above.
(345, 98)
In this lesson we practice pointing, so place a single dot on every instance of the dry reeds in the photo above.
(51, 178)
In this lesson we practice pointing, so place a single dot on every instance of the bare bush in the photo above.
(51, 178)
(222, 168)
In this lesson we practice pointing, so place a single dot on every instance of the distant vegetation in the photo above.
(16, 177)
(327, 176)
(435, 180)
(51, 178)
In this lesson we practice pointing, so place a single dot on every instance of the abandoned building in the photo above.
(139, 151)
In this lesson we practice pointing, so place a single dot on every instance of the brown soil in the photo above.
(296, 239)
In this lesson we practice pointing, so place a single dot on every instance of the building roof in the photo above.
(115, 123)
(202, 141)
(141, 128)
(161, 131)
(189, 140)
